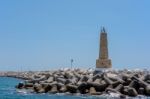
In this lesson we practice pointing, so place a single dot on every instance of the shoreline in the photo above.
(120, 83)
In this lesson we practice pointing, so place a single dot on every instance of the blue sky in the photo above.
(46, 34)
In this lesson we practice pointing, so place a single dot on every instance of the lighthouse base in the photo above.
(103, 63)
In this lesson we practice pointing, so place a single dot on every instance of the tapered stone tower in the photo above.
(103, 61)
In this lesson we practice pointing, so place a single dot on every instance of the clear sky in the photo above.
(46, 34)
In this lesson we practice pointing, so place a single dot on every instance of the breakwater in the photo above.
(122, 82)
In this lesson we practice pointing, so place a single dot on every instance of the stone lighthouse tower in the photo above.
(103, 61)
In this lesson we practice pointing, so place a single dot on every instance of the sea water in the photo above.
(8, 91)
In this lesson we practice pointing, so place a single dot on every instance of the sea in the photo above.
(8, 91)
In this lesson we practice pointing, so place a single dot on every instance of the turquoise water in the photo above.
(8, 91)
